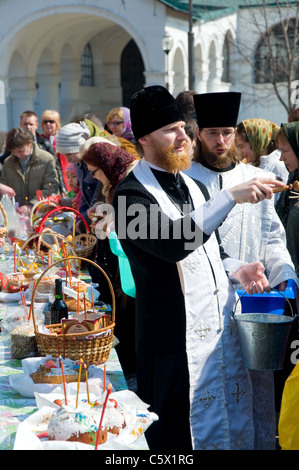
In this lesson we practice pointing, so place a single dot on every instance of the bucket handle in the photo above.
(292, 312)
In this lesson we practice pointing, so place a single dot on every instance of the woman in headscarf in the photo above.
(110, 164)
(118, 122)
(255, 139)
(287, 206)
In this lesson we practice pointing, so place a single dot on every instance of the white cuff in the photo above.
(211, 214)
(232, 265)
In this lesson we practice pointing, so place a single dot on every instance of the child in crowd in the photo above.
(74, 195)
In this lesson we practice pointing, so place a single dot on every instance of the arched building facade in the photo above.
(91, 55)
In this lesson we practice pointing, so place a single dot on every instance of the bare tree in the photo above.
(275, 58)
(268, 41)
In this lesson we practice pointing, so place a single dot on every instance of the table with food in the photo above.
(61, 383)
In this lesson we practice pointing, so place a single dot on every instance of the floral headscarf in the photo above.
(259, 132)
(127, 132)
(113, 161)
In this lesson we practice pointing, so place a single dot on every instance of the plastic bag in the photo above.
(18, 333)
(288, 425)
(15, 228)
(17, 317)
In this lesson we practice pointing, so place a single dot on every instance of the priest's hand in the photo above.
(252, 278)
(254, 190)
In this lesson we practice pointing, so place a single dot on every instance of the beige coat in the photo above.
(40, 171)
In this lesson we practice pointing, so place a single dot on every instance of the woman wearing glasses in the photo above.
(118, 122)
(110, 164)
(50, 123)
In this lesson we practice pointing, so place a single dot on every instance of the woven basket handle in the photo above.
(62, 208)
(70, 258)
(49, 232)
(41, 203)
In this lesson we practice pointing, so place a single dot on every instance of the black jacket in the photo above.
(160, 307)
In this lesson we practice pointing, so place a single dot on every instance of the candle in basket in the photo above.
(15, 257)
(63, 379)
(91, 291)
(79, 380)
(104, 382)
(74, 230)
(102, 416)
(87, 388)
(49, 193)
(78, 300)
(84, 302)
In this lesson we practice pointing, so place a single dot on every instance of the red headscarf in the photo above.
(113, 161)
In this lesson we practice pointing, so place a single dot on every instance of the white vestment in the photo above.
(221, 400)
(250, 232)
(253, 232)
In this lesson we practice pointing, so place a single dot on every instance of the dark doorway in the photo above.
(132, 69)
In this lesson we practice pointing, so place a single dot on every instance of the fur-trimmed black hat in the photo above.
(151, 108)
(217, 109)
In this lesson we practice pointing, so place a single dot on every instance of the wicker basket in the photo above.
(83, 243)
(93, 347)
(46, 204)
(3, 229)
(41, 242)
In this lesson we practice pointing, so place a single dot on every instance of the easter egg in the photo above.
(58, 402)
(50, 364)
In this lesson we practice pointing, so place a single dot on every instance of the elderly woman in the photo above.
(118, 122)
(287, 206)
(109, 164)
(255, 139)
(51, 125)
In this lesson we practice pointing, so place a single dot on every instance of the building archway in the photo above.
(50, 72)
(132, 72)
(178, 76)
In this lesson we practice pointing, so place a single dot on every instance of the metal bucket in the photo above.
(263, 338)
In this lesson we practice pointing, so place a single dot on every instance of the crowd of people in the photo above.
(191, 189)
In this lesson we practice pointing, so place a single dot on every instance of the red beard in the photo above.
(172, 162)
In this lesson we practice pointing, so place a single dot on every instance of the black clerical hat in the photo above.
(151, 108)
(217, 109)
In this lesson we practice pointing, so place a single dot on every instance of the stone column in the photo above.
(22, 94)
(69, 88)
(48, 79)
(4, 107)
